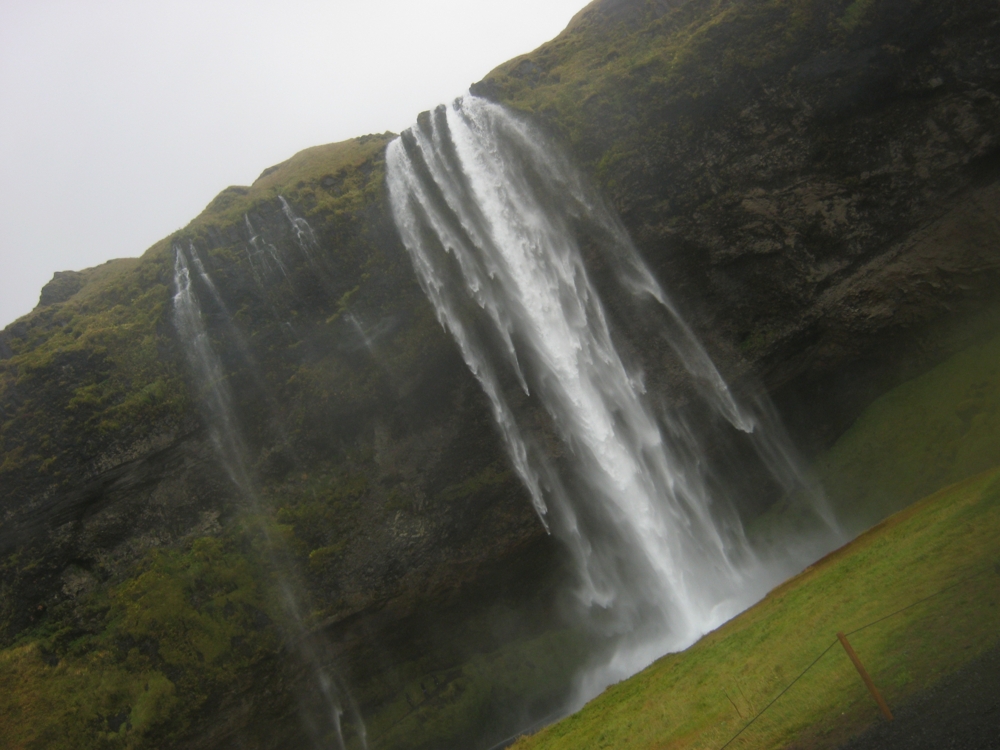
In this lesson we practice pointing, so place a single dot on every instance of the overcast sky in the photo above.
(121, 120)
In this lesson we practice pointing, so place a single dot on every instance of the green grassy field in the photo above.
(925, 434)
(934, 430)
(701, 697)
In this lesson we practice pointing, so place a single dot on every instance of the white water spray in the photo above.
(209, 373)
(304, 235)
(262, 254)
(490, 212)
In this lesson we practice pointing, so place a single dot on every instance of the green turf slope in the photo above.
(934, 430)
(925, 434)
(703, 696)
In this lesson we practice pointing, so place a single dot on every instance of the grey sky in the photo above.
(120, 121)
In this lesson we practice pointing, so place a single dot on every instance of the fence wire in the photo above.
(992, 567)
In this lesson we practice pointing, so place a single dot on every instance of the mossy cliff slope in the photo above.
(813, 181)
(130, 561)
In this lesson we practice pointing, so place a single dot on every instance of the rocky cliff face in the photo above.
(814, 181)
(368, 439)
(816, 184)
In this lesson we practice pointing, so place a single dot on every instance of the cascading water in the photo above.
(491, 213)
(259, 251)
(304, 235)
(333, 696)
(206, 365)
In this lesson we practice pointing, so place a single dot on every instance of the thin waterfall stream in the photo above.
(491, 213)
(326, 724)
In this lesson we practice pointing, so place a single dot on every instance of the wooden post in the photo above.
(865, 677)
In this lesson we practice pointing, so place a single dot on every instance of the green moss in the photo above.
(90, 370)
(622, 85)
(322, 557)
(328, 181)
(188, 624)
(490, 478)
(192, 604)
(856, 14)
(318, 512)
(342, 305)
(460, 705)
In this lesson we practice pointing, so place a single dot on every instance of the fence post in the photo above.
(865, 677)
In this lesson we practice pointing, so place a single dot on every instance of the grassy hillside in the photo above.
(99, 368)
(702, 697)
(935, 429)
(932, 431)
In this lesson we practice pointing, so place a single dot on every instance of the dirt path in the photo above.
(960, 713)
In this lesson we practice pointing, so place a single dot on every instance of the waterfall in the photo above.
(207, 367)
(304, 235)
(259, 250)
(493, 216)
(332, 695)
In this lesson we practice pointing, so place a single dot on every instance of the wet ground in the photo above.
(960, 713)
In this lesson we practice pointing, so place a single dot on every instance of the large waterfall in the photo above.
(494, 216)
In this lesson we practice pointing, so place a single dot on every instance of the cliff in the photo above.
(815, 183)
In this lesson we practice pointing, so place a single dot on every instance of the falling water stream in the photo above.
(304, 235)
(492, 214)
(498, 223)
(228, 442)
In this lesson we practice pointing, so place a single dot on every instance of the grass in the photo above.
(942, 428)
(701, 697)
(326, 184)
(925, 434)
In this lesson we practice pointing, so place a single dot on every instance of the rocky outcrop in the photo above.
(64, 285)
